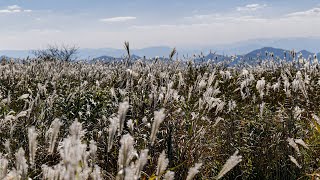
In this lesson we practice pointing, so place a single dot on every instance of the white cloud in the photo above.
(5, 11)
(202, 17)
(14, 9)
(310, 12)
(118, 19)
(221, 18)
(45, 31)
(251, 7)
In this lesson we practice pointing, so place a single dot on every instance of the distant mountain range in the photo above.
(249, 58)
(308, 46)
(148, 52)
(311, 44)
(265, 52)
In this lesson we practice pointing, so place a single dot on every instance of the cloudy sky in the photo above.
(29, 24)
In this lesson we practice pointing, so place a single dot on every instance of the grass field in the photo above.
(159, 120)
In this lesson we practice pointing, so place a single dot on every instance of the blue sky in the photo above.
(29, 24)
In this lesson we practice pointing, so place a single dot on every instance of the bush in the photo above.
(56, 53)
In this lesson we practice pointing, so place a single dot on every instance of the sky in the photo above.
(33, 24)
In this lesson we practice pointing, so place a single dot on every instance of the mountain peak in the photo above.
(306, 53)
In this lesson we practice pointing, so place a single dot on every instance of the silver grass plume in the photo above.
(114, 122)
(133, 171)
(74, 157)
(3, 167)
(21, 163)
(24, 96)
(93, 149)
(169, 175)
(301, 142)
(130, 125)
(315, 117)
(276, 86)
(32, 138)
(6, 144)
(217, 120)
(13, 175)
(286, 85)
(51, 173)
(230, 164)
(96, 173)
(158, 119)
(261, 86)
(220, 106)
(126, 153)
(73, 153)
(162, 164)
(21, 114)
(292, 159)
(85, 173)
(129, 173)
(212, 77)
(122, 112)
(52, 134)
(202, 84)
(231, 105)
(113, 93)
(293, 145)
(262, 106)
(9, 98)
(297, 113)
(193, 171)
(141, 162)
(76, 130)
